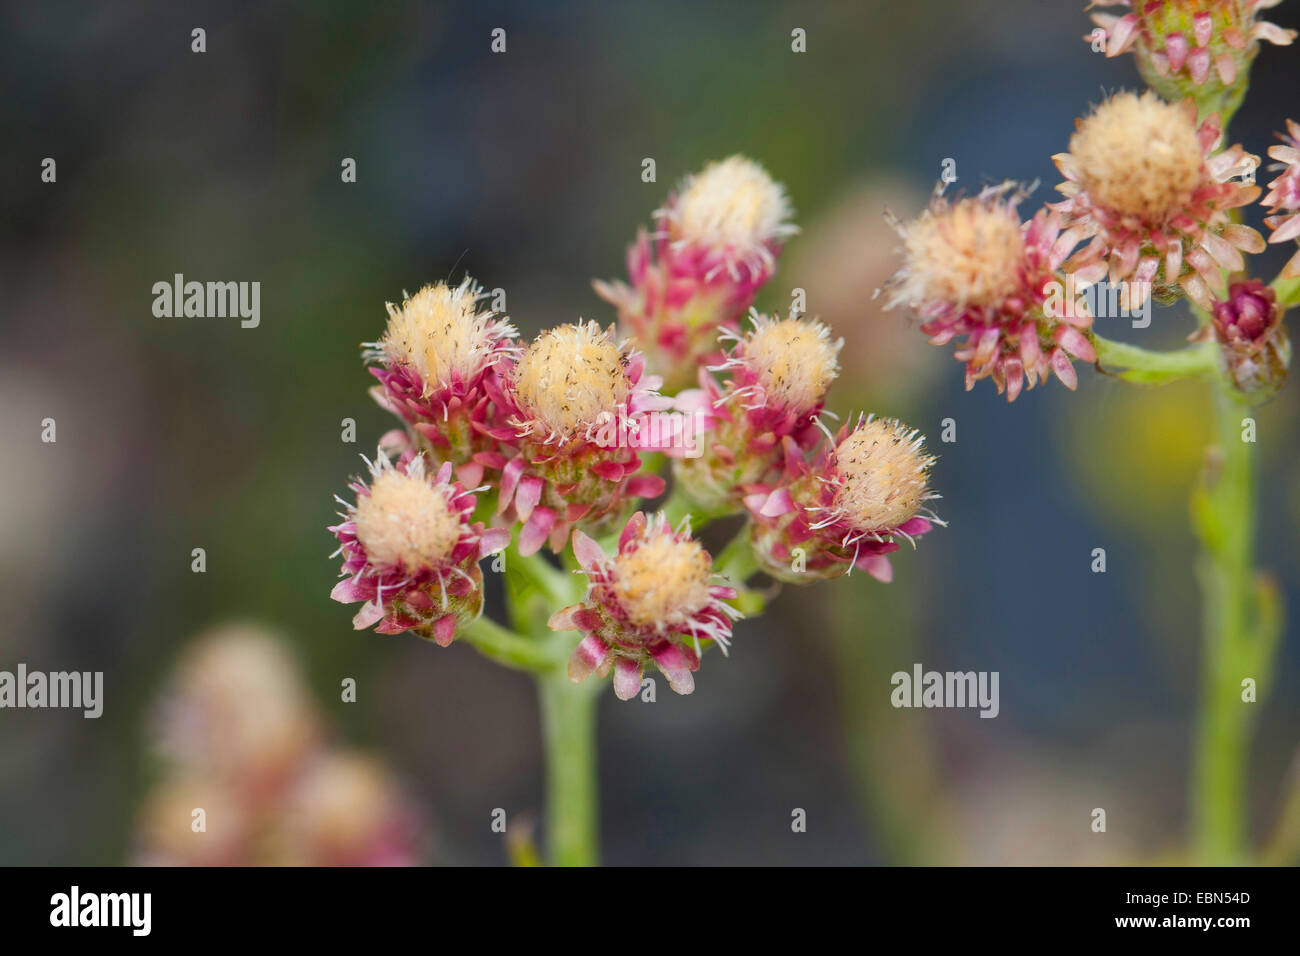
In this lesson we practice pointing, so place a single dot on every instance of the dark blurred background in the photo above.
(524, 168)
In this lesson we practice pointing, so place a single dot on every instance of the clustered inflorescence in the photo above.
(1152, 207)
(559, 444)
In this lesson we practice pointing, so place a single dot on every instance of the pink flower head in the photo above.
(1284, 195)
(411, 551)
(440, 347)
(975, 273)
(846, 508)
(719, 236)
(1153, 192)
(767, 408)
(1190, 45)
(654, 600)
(1254, 345)
(575, 411)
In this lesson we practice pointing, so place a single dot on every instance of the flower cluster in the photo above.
(250, 779)
(1152, 208)
(552, 445)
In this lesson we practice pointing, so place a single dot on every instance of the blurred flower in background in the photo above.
(250, 778)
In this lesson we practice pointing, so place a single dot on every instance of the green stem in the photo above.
(534, 590)
(537, 573)
(737, 561)
(569, 737)
(1241, 609)
(1225, 511)
(506, 647)
(1143, 366)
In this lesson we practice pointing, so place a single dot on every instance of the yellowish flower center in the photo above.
(440, 332)
(406, 521)
(969, 253)
(569, 376)
(795, 360)
(732, 202)
(1139, 156)
(663, 582)
(884, 476)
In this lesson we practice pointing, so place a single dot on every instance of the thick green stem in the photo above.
(1226, 512)
(569, 738)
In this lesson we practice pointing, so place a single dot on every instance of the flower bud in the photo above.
(846, 509)
(411, 551)
(719, 237)
(1254, 346)
(654, 600)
